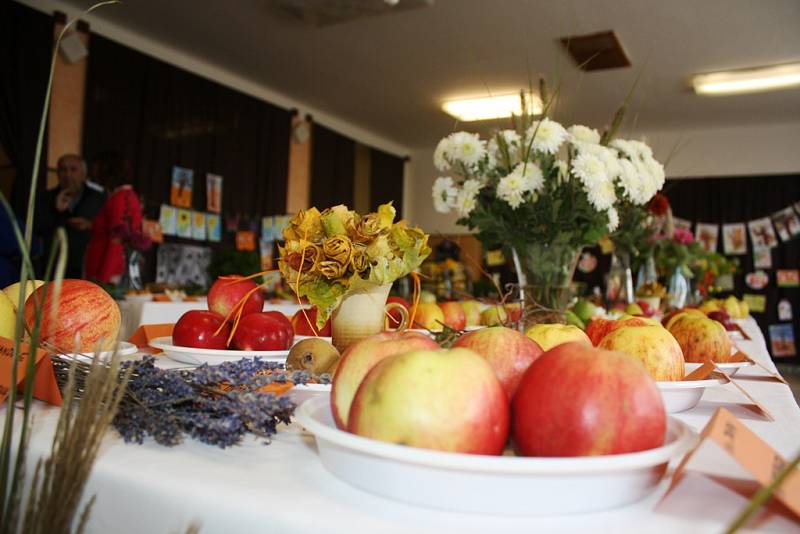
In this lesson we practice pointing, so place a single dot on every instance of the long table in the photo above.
(283, 487)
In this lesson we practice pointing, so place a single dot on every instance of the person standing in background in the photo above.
(118, 223)
(72, 205)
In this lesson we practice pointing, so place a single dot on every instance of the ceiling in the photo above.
(389, 73)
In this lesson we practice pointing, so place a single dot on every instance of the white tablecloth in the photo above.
(136, 313)
(283, 487)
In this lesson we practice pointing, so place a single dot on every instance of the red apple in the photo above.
(395, 318)
(196, 329)
(514, 311)
(508, 351)
(285, 322)
(576, 400)
(447, 400)
(302, 327)
(226, 293)
(454, 315)
(259, 331)
(85, 315)
(429, 316)
(362, 356)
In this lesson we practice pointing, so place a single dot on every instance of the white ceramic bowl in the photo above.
(499, 485)
(683, 395)
(733, 367)
(125, 348)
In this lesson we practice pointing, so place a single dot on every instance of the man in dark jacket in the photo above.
(72, 205)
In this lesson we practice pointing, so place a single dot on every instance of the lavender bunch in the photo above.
(217, 405)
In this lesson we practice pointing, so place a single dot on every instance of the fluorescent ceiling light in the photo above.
(492, 107)
(747, 80)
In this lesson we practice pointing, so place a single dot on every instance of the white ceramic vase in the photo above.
(362, 314)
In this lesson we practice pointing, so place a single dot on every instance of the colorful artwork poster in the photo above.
(787, 223)
(267, 226)
(232, 222)
(725, 282)
(213, 227)
(266, 250)
(757, 279)
(181, 190)
(281, 222)
(781, 340)
(708, 235)
(199, 225)
(152, 229)
(787, 277)
(784, 310)
(168, 218)
(184, 226)
(245, 240)
(756, 303)
(734, 239)
(214, 192)
(762, 258)
(683, 224)
(762, 234)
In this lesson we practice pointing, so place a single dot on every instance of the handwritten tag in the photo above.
(744, 392)
(749, 451)
(702, 372)
(45, 386)
(147, 332)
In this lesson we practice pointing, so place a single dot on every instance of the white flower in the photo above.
(583, 134)
(613, 219)
(465, 202)
(656, 170)
(602, 195)
(466, 148)
(441, 154)
(444, 194)
(633, 183)
(511, 188)
(512, 142)
(590, 169)
(641, 149)
(532, 174)
(548, 135)
(625, 147)
(472, 186)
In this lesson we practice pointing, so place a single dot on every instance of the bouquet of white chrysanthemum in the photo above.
(544, 191)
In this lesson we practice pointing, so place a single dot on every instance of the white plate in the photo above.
(682, 395)
(194, 356)
(302, 392)
(499, 485)
(125, 349)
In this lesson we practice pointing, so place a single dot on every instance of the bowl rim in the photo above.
(165, 343)
(667, 385)
(680, 438)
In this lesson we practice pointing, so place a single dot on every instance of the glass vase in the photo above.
(619, 284)
(647, 274)
(544, 274)
(677, 289)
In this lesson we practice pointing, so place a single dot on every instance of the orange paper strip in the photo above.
(749, 451)
(45, 386)
(744, 392)
(147, 332)
(702, 372)
(742, 356)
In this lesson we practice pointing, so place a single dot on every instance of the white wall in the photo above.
(718, 152)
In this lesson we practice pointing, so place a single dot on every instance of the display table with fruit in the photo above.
(284, 487)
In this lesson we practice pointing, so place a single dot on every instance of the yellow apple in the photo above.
(12, 291)
(493, 316)
(653, 345)
(702, 339)
(472, 311)
(8, 317)
(693, 312)
(551, 335)
(429, 316)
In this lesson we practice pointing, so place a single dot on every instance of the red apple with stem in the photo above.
(447, 400)
(259, 331)
(454, 315)
(362, 356)
(508, 351)
(302, 326)
(198, 328)
(576, 400)
(229, 292)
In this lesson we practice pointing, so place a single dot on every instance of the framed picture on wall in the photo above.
(181, 189)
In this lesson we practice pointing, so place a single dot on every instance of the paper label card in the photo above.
(214, 192)
(781, 340)
(45, 386)
(734, 239)
(180, 193)
(751, 452)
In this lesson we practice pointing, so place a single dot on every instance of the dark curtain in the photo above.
(386, 180)
(26, 42)
(332, 168)
(742, 199)
(159, 116)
